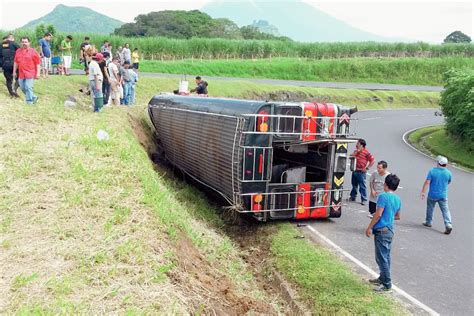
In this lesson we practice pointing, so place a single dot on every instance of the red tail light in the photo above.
(257, 200)
(262, 122)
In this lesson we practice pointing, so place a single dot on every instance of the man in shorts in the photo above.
(66, 50)
(45, 54)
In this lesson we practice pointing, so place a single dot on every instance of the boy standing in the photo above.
(381, 225)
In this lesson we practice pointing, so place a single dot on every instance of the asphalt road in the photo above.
(436, 269)
(298, 83)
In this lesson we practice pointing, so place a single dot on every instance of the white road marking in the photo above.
(371, 272)
(370, 118)
(405, 140)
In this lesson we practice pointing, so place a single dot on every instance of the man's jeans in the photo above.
(132, 94)
(127, 90)
(26, 86)
(443, 205)
(106, 91)
(383, 244)
(358, 179)
(95, 93)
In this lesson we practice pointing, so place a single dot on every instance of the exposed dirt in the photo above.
(215, 288)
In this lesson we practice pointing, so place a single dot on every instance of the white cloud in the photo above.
(418, 20)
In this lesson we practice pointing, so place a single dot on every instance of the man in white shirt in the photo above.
(115, 80)
(95, 80)
(127, 54)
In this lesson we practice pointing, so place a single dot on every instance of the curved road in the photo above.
(436, 269)
(299, 83)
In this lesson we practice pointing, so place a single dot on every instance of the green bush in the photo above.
(457, 103)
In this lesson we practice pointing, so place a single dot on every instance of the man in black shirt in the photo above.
(7, 56)
(201, 86)
(83, 58)
(105, 82)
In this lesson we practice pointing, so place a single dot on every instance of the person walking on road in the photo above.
(376, 185)
(7, 56)
(381, 226)
(438, 180)
(27, 63)
(365, 160)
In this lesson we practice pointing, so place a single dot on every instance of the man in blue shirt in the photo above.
(381, 225)
(438, 180)
(45, 54)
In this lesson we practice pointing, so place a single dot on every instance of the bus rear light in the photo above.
(258, 198)
(301, 209)
(262, 121)
(257, 202)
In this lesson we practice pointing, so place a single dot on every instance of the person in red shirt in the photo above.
(364, 160)
(27, 62)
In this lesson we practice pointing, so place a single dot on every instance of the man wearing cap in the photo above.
(438, 180)
(45, 54)
(95, 78)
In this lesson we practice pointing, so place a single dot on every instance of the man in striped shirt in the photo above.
(364, 160)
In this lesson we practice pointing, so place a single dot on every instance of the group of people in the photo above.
(385, 205)
(112, 77)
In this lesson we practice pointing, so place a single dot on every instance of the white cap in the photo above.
(443, 161)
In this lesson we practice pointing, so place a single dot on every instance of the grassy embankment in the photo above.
(89, 226)
(434, 140)
(416, 71)
(412, 71)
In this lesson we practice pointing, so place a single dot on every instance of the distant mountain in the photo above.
(293, 18)
(77, 19)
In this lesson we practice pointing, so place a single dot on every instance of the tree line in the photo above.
(188, 24)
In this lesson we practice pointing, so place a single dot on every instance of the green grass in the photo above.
(99, 225)
(417, 71)
(328, 285)
(435, 141)
(22, 280)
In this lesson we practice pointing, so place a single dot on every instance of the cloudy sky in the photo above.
(429, 21)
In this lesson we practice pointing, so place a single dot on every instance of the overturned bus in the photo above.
(275, 160)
